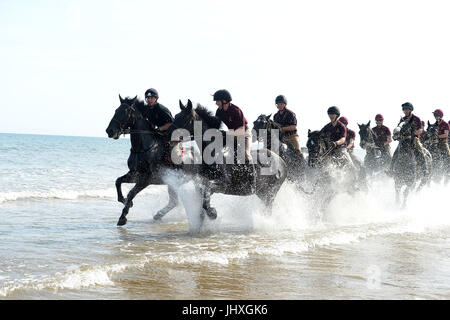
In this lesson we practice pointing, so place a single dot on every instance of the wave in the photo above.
(73, 278)
(76, 278)
(294, 227)
(61, 194)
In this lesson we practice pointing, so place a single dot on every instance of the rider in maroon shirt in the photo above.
(383, 138)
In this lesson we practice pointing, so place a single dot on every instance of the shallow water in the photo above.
(60, 239)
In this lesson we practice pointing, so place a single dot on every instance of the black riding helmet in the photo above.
(407, 105)
(222, 95)
(334, 110)
(151, 93)
(281, 99)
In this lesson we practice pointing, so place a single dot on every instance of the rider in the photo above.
(158, 115)
(419, 154)
(234, 119)
(443, 129)
(383, 138)
(350, 142)
(336, 132)
(288, 122)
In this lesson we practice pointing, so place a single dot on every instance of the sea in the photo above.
(59, 238)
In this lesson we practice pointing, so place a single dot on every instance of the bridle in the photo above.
(371, 137)
(404, 130)
(431, 138)
(130, 111)
(268, 125)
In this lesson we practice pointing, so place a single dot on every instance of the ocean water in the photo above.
(59, 238)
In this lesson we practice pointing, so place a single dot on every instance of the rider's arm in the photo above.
(340, 141)
(289, 128)
(351, 144)
(290, 122)
(444, 135)
(389, 140)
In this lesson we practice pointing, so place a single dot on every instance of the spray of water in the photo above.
(295, 211)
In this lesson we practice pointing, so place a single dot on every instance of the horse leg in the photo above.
(142, 182)
(173, 202)
(405, 195)
(206, 203)
(268, 200)
(130, 177)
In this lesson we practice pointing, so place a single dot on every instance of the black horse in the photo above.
(219, 177)
(334, 170)
(148, 160)
(376, 160)
(441, 165)
(270, 133)
(406, 170)
(323, 169)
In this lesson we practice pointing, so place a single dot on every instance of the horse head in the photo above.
(316, 147)
(366, 135)
(124, 117)
(187, 117)
(262, 123)
(404, 131)
(431, 135)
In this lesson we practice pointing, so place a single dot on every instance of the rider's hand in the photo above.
(335, 144)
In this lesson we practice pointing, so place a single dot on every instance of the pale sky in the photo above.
(63, 63)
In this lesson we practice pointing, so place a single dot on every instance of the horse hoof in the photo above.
(158, 217)
(122, 221)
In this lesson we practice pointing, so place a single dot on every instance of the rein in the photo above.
(325, 154)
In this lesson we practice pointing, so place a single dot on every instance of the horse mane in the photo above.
(314, 133)
(207, 116)
(272, 123)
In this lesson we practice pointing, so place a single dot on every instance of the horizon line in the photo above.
(50, 134)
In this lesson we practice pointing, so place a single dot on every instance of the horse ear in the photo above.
(309, 132)
(182, 107)
(368, 123)
(120, 97)
(359, 125)
(189, 105)
(268, 117)
(429, 123)
(134, 100)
